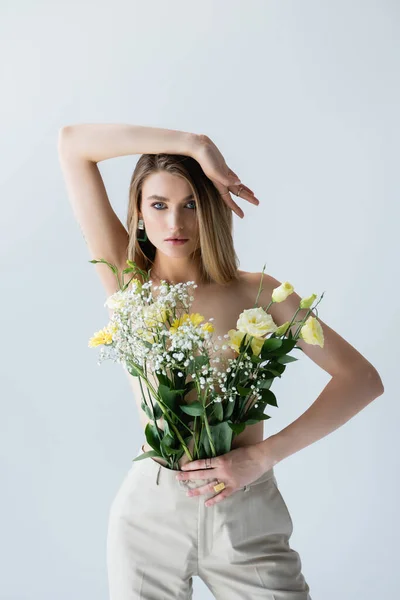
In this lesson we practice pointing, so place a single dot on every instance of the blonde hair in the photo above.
(215, 251)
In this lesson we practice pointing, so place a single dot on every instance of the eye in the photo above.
(191, 202)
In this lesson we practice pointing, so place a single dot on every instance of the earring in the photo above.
(141, 226)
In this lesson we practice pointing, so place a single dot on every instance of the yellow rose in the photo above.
(280, 293)
(312, 333)
(255, 321)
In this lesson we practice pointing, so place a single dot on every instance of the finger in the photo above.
(191, 474)
(202, 489)
(194, 464)
(217, 498)
(228, 199)
(232, 204)
(246, 193)
(236, 182)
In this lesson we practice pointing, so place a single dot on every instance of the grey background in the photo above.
(302, 98)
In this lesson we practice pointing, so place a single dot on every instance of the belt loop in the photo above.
(158, 474)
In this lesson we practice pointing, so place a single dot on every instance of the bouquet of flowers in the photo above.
(157, 333)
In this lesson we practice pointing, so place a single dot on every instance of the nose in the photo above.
(175, 221)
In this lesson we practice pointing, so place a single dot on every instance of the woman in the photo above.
(163, 530)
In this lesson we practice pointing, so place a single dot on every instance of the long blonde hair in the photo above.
(215, 251)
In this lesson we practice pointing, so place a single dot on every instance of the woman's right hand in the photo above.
(225, 180)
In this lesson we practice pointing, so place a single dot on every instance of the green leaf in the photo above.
(228, 409)
(267, 382)
(189, 386)
(170, 397)
(257, 419)
(216, 410)
(146, 455)
(255, 359)
(237, 427)
(286, 359)
(167, 446)
(196, 409)
(164, 380)
(152, 438)
(197, 363)
(243, 391)
(270, 345)
(243, 343)
(133, 370)
(221, 434)
(276, 368)
(157, 410)
(268, 397)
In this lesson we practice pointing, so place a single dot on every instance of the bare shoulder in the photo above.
(337, 356)
(251, 281)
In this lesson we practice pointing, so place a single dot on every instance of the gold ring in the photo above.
(219, 486)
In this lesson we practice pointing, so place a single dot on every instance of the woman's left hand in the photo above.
(225, 180)
(236, 468)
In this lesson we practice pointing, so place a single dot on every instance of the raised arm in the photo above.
(98, 141)
(80, 147)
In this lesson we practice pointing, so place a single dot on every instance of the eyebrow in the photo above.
(164, 199)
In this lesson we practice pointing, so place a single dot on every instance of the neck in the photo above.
(175, 270)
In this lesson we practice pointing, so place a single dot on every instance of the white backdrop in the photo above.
(302, 98)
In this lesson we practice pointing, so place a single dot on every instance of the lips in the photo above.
(176, 238)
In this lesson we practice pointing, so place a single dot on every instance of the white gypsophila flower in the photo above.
(165, 351)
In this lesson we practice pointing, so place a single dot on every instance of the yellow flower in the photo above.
(194, 318)
(154, 315)
(135, 285)
(255, 321)
(280, 293)
(307, 302)
(256, 345)
(235, 339)
(104, 336)
(208, 327)
(312, 333)
(146, 335)
(116, 300)
(176, 323)
(282, 329)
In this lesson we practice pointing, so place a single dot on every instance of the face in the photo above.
(169, 211)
